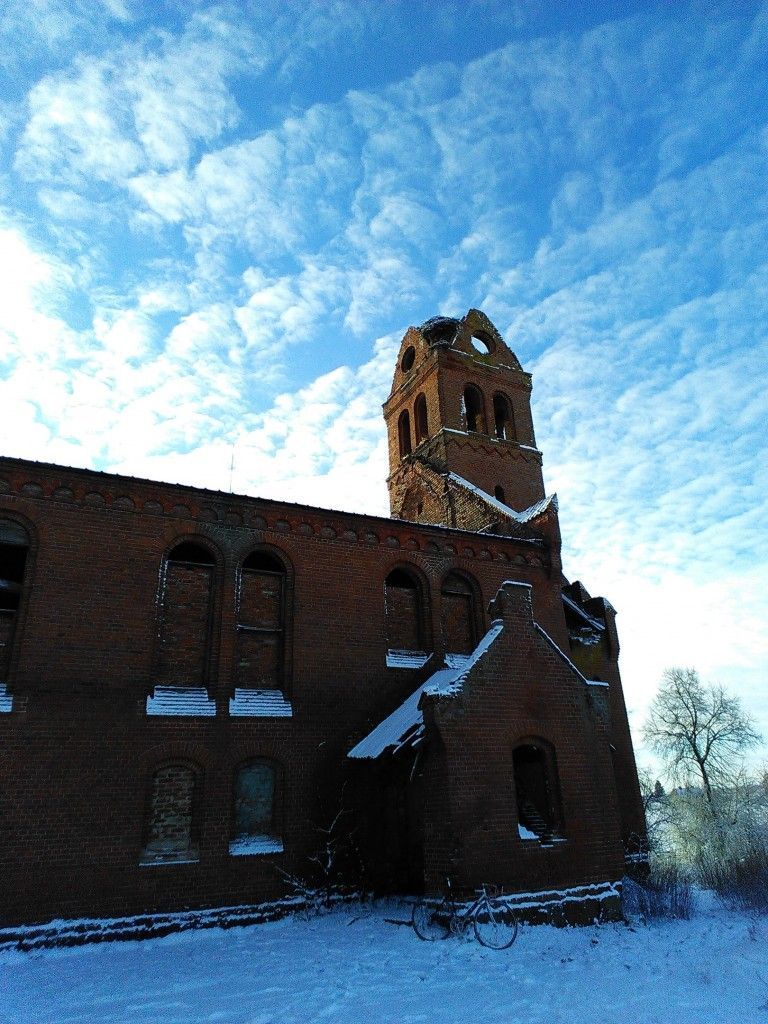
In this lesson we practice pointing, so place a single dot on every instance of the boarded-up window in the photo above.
(186, 614)
(169, 828)
(403, 612)
(14, 544)
(261, 623)
(255, 800)
(536, 790)
(458, 615)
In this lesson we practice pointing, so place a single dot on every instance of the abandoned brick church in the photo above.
(194, 684)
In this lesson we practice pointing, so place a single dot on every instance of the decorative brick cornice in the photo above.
(105, 494)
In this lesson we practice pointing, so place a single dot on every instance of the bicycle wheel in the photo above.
(495, 925)
(431, 922)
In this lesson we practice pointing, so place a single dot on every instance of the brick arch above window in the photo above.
(264, 620)
(171, 827)
(404, 433)
(503, 418)
(420, 418)
(537, 789)
(186, 608)
(473, 410)
(257, 807)
(15, 547)
(406, 609)
(460, 603)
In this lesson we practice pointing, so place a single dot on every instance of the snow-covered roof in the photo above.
(180, 700)
(519, 517)
(594, 623)
(405, 726)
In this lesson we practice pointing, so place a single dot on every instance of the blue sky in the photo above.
(217, 220)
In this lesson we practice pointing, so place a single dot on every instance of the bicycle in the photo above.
(494, 922)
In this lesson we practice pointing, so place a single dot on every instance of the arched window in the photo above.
(254, 826)
(185, 616)
(498, 493)
(403, 611)
(261, 623)
(404, 433)
(536, 789)
(458, 615)
(473, 408)
(14, 545)
(169, 834)
(420, 418)
(503, 418)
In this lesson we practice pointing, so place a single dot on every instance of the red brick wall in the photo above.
(78, 762)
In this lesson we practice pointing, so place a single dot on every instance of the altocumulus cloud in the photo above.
(208, 215)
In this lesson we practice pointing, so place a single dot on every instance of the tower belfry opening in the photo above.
(469, 400)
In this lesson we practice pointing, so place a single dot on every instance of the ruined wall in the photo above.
(78, 753)
(520, 691)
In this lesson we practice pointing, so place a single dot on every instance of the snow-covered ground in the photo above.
(353, 967)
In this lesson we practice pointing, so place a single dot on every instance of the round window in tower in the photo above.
(482, 343)
(406, 363)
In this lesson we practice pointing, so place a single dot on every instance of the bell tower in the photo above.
(459, 425)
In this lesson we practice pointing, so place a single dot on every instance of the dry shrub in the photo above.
(739, 873)
(664, 893)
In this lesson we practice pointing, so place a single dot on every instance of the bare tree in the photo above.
(701, 732)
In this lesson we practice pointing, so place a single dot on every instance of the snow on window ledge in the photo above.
(543, 840)
(259, 704)
(407, 659)
(250, 846)
(180, 700)
(150, 859)
(458, 661)
(6, 700)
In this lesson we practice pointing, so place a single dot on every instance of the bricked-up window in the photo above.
(536, 789)
(473, 409)
(404, 433)
(255, 827)
(261, 623)
(186, 616)
(402, 601)
(14, 545)
(170, 826)
(420, 416)
(458, 615)
(503, 418)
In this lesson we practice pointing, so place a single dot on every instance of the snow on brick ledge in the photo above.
(6, 700)
(407, 659)
(180, 700)
(247, 846)
(260, 704)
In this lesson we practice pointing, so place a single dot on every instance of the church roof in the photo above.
(405, 726)
(518, 517)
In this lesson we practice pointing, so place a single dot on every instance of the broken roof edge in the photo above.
(461, 674)
(561, 654)
(506, 510)
(406, 721)
(576, 607)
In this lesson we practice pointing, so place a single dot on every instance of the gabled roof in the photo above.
(498, 506)
(405, 726)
